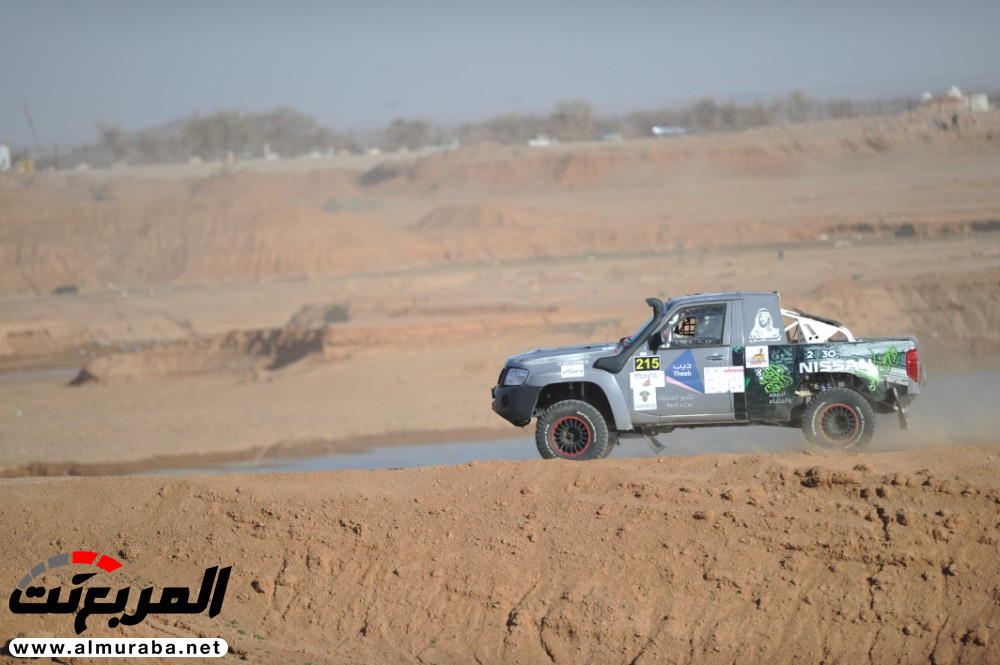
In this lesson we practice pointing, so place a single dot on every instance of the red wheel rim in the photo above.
(839, 424)
(571, 436)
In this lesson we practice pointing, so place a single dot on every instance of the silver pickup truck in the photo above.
(711, 360)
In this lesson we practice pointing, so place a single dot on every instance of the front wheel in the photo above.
(839, 418)
(572, 429)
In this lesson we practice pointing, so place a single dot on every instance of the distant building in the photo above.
(542, 140)
(944, 103)
(663, 131)
(979, 102)
(4, 158)
(955, 100)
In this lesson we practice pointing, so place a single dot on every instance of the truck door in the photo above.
(695, 357)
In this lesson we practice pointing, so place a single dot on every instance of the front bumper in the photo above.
(515, 404)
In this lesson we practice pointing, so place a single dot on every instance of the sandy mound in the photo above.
(247, 353)
(504, 170)
(221, 233)
(488, 231)
(312, 186)
(955, 315)
(316, 333)
(764, 152)
(713, 559)
(312, 317)
(32, 339)
(124, 188)
(477, 218)
(513, 202)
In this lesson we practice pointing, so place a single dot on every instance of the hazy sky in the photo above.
(357, 65)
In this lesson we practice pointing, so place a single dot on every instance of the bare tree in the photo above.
(798, 107)
(704, 115)
(114, 140)
(839, 108)
(512, 128)
(573, 121)
(409, 134)
(290, 132)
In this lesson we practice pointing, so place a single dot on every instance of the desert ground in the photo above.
(796, 558)
(183, 316)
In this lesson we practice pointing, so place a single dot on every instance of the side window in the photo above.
(701, 325)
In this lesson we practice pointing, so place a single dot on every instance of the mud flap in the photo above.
(654, 444)
(903, 424)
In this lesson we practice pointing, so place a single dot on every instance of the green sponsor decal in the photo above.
(774, 379)
(883, 365)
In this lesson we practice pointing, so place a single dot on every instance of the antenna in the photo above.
(34, 132)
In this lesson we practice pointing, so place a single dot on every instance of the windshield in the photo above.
(627, 341)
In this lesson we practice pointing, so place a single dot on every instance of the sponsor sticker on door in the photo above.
(640, 380)
(723, 380)
(644, 399)
(756, 356)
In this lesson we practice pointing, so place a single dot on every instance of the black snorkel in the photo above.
(615, 363)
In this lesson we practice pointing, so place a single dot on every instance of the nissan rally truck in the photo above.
(711, 360)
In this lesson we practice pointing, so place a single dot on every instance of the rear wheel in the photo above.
(572, 429)
(839, 418)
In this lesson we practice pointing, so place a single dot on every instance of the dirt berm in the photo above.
(798, 558)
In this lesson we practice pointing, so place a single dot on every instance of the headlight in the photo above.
(515, 376)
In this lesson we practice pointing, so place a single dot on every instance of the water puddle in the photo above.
(64, 374)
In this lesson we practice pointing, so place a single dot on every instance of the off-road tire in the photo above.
(839, 418)
(573, 430)
(612, 442)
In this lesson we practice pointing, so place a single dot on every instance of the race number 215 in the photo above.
(647, 364)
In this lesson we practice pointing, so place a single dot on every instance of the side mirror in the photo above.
(657, 341)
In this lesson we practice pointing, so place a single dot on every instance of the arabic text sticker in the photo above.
(654, 379)
(684, 372)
